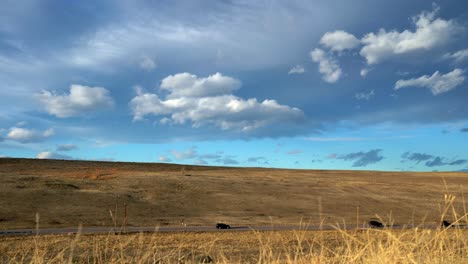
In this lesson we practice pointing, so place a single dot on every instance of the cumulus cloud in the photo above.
(437, 83)
(364, 96)
(207, 101)
(82, 99)
(189, 85)
(339, 40)
(328, 66)
(52, 155)
(458, 56)
(362, 159)
(24, 135)
(298, 69)
(147, 63)
(429, 32)
(66, 147)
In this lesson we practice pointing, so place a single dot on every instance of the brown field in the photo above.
(69, 193)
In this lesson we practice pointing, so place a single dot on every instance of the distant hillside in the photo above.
(67, 193)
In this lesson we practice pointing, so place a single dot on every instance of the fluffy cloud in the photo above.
(298, 69)
(339, 40)
(364, 95)
(24, 135)
(328, 66)
(189, 85)
(206, 101)
(438, 83)
(81, 99)
(362, 159)
(147, 64)
(66, 147)
(458, 56)
(52, 155)
(430, 32)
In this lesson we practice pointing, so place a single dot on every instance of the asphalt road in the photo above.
(133, 229)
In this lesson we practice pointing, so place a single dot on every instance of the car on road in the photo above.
(222, 226)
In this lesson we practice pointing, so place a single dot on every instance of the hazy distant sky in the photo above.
(365, 84)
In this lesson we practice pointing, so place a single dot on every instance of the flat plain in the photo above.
(69, 193)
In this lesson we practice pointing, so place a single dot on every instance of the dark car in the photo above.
(222, 226)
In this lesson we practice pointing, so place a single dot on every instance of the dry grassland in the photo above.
(365, 246)
(69, 193)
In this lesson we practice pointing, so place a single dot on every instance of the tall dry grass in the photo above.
(386, 245)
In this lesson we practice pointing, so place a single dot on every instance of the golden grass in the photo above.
(365, 246)
(417, 245)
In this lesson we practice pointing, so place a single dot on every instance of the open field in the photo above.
(69, 193)
(365, 246)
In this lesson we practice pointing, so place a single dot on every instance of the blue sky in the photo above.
(368, 85)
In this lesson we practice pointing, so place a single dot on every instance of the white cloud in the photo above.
(364, 95)
(81, 99)
(364, 72)
(189, 85)
(339, 40)
(209, 103)
(147, 63)
(327, 65)
(298, 69)
(458, 56)
(438, 83)
(51, 155)
(164, 159)
(430, 32)
(24, 135)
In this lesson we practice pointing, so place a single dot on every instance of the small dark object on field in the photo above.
(375, 224)
(446, 223)
(222, 226)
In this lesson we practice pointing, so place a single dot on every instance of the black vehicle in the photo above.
(222, 226)
(375, 224)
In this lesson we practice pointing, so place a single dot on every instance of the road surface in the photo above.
(133, 229)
